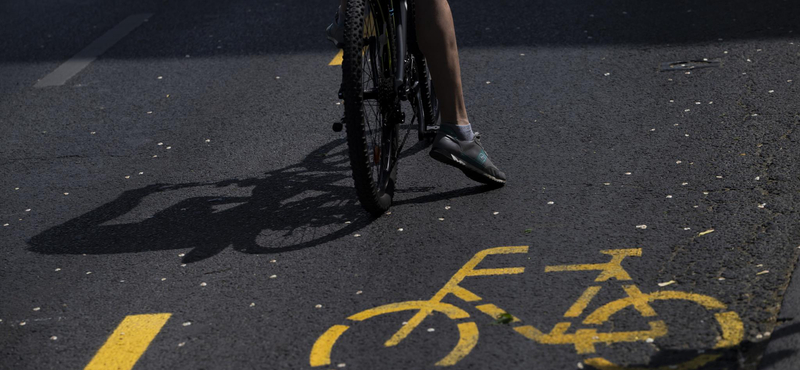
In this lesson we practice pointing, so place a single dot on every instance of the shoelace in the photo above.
(476, 137)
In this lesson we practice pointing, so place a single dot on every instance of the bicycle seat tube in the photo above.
(401, 7)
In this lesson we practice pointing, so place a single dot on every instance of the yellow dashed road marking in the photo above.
(337, 60)
(128, 342)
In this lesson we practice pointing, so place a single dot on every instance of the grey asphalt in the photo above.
(191, 170)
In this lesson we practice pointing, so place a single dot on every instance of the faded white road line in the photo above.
(77, 63)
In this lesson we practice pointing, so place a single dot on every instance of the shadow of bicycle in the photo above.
(295, 207)
(299, 206)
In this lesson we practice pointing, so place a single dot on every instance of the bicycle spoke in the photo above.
(373, 119)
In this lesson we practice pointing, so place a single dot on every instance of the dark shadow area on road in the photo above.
(745, 355)
(291, 208)
(785, 331)
(776, 359)
(295, 207)
(681, 359)
(473, 190)
(615, 22)
(772, 359)
(57, 30)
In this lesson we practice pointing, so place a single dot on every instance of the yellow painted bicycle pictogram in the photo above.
(584, 339)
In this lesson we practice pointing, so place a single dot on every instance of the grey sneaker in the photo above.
(335, 31)
(468, 156)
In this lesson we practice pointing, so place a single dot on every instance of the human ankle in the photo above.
(462, 132)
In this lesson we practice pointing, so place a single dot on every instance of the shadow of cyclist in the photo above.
(295, 207)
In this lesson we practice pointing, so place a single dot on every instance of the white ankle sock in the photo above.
(463, 132)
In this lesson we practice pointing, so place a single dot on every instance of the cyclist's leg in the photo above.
(454, 144)
(437, 41)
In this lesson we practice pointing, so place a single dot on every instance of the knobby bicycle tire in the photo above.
(374, 187)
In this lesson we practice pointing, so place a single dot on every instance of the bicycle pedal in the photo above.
(337, 126)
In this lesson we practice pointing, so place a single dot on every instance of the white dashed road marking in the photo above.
(77, 63)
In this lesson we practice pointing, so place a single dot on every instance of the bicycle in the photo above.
(584, 340)
(382, 66)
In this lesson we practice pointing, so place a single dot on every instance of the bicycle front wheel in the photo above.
(371, 104)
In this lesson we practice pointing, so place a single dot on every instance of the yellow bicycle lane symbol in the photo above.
(583, 339)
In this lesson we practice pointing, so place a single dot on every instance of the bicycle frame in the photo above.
(398, 18)
(401, 28)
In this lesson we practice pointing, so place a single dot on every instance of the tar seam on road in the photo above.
(77, 63)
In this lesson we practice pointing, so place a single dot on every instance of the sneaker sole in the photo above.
(468, 170)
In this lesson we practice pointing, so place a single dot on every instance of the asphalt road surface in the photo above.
(181, 201)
